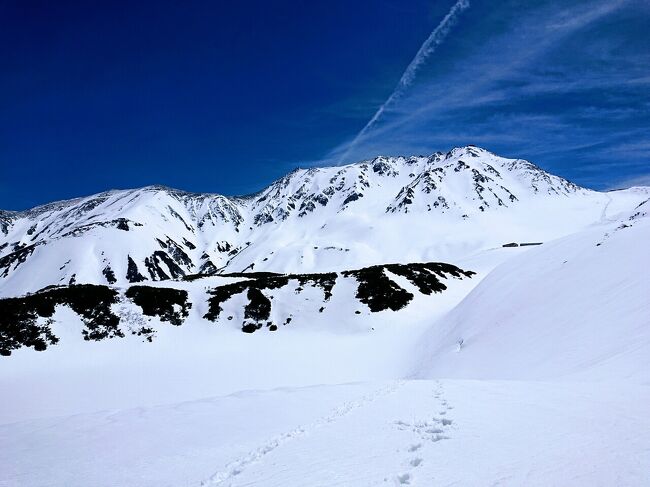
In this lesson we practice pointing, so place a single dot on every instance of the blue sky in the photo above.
(227, 96)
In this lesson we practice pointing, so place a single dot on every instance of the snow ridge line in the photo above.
(237, 466)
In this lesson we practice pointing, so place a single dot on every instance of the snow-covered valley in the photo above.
(429, 432)
(357, 325)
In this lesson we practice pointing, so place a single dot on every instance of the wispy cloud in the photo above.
(427, 48)
(639, 180)
(474, 84)
(565, 84)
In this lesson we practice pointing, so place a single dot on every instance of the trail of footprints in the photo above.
(236, 467)
(427, 431)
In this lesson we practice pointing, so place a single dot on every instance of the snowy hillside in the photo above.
(446, 206)
(577, 308)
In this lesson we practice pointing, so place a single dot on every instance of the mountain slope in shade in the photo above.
(445, 207)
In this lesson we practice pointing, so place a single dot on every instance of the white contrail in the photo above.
(428, 47)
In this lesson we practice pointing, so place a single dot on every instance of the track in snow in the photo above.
(603, 215)
(424, 432)
(237, 466)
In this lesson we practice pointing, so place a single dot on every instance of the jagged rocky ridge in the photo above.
(299, 223)
(108, 312)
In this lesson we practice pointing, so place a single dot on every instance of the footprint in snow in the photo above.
(404, 479)
(432, 431)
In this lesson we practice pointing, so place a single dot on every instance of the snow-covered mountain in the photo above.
(390, 209)
(532, 360)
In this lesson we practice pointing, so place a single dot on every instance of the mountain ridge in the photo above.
(251, 195)
(316, 219)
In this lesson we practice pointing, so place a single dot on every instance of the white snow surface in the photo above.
(534, 372)
(447, 432)
(577, 308)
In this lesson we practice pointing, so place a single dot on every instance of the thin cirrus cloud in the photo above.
(563, 84)
(427, 48)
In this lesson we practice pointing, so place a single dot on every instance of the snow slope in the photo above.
(577, 309)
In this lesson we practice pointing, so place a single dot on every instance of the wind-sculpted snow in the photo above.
(446, 206)
(106, 311)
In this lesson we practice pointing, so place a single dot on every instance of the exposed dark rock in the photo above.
(352, 197)
(145, 331)
(264, 281)
(377, 290)
(18, 316)
(426, 276)
(222, 247)
(12, 261)
(460, 166)
(119, 223)
(177, 253)
(207, 267)
(132, 272)
(258, 307)
(168, 304)
(380, 293)
(155, 269)
(6, 220)
(175, 214)
(122, 224)
(249, 327)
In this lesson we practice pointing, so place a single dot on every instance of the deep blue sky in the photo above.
(226, 96)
